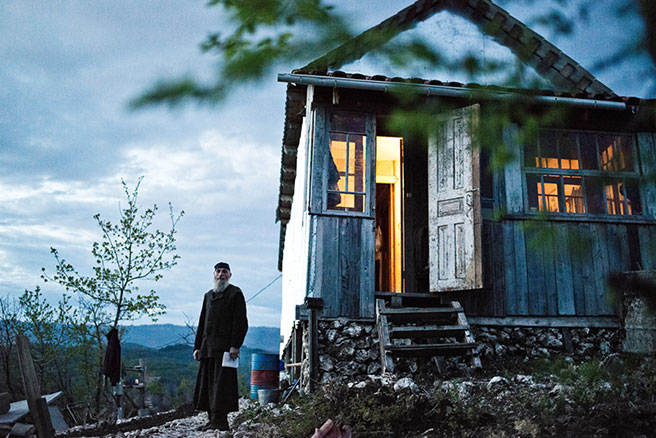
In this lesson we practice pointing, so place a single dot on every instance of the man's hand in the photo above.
(234, 353)
(196, 354)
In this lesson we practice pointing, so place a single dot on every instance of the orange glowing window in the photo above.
(582, 173)
(573, 191)
(548, 194)
(347, 163)
(615, 199)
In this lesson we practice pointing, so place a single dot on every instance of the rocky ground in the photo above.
(611, 396)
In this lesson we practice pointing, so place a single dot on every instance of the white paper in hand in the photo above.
(229, 363)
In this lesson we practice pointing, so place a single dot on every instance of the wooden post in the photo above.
(37, 404)
(314, 305)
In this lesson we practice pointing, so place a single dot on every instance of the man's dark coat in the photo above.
(223, 323)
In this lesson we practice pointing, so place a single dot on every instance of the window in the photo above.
(346, 173)
(582, 173)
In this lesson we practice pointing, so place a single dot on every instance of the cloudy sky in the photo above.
(68, 70)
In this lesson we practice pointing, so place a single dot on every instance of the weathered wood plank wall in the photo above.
(344, 266)
(550, 268)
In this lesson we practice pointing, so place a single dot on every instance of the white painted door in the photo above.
(454, 204)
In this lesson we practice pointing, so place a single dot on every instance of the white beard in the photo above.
(220, 285)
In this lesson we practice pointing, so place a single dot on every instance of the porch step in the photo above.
(414, 314)
(429, 328)
(427, 331)
(415, 350)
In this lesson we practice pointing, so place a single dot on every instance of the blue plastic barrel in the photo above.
(265, 372)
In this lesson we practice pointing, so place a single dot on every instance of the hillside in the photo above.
(162, 335)
(611, 396)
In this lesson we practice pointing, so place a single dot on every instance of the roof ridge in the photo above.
(529, 47)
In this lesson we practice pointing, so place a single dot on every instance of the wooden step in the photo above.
(413, 314)
(411, 299)
(425, 322)
(415, 350)
(426, 331)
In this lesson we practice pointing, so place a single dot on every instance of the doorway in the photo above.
(389, 215)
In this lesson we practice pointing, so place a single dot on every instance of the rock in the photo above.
(584, 347)
(543, 352)
(499, 349)
(326, 362)
(558, 390)
(327, 377)
(526, 380)
(374, 367)
(496, 381)
(350, 370)
(353, 331)
(518, 336)
(460, 388)
(361, 356)
(406, 383)
(346, 350)
(331, 335)
(553, 342)
(486, 350)
(387, 379)
(374, 353)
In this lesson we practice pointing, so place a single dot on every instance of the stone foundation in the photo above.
(349, 350)
(535, 342)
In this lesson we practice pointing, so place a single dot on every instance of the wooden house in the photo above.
(369, 213)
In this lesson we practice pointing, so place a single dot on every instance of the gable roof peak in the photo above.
(530, 48)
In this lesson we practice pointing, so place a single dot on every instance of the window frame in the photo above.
(370, 165)
(605, 175)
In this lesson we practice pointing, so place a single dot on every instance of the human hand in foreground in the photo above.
(196, 354)
(234, 353)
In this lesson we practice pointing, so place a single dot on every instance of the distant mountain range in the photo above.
(159, 336)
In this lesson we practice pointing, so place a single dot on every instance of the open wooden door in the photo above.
(454, 210)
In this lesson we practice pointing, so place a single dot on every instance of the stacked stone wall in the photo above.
(534, 342)
(349, 350)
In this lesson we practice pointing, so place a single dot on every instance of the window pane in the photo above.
(551, 192)
(348, 122)
(573, 190)
(616, 153)
(548, 150)
(588, 145)
(533, 187)
(569, 153)
(346, 172)
(615, 198)
(594, 194)
(347, 202)
(633, 197)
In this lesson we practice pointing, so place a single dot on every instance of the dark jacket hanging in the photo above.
(112, 366)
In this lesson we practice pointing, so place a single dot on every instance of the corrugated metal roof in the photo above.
(610, 97)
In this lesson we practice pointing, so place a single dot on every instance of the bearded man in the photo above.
(221, 328)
